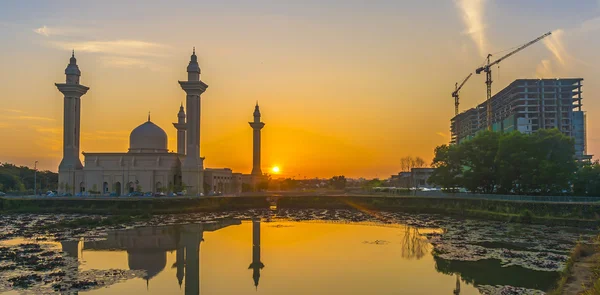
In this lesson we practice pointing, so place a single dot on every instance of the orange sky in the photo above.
(344, 88)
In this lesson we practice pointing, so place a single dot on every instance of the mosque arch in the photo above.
(82, 187)
(130, 187)
(159, 187)
(118, 188)
(105, 187)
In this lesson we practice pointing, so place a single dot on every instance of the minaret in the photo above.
(256, 125)
(72, 91)
(181, 127)
(256, 264)
(192, 167)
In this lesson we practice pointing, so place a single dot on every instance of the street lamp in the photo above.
(35, 178)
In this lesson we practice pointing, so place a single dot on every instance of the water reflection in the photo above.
(491, 272)
(414, 245)
(147, 249)
(256, 264)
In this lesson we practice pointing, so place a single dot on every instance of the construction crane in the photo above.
(455, 93)
(488, 74)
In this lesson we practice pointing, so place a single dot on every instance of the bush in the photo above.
(526, 217)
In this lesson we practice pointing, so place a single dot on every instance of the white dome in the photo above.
(148, 137)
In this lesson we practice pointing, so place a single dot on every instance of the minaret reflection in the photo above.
(256, 264)
(191, 240)
(457, 289)
(73, 249)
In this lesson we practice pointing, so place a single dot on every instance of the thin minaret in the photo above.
(256, 125)
(72, 91)
(181, 127)
(256, 264)
(192, 169)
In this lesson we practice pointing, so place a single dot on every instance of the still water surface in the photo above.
(285, 257)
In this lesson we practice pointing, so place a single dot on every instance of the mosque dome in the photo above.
(148, 137)
(153, 262)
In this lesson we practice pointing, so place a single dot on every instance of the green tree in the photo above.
(479, 157)
(587, 180)
(556, 165)
(516, 162)
(448, 170)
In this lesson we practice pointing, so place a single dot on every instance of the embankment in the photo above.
(552, 213)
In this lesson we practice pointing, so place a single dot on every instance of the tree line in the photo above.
(21, 179)
(541, 163)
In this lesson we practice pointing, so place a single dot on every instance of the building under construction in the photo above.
(527, 105)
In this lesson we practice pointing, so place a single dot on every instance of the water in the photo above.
(280, 256)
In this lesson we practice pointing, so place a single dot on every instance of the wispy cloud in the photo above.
(47, 31)
(442, 134)
(32, 118)
(544, 69)
(116, 48)
(129, 62)
(555, 44)
(472, 13)
(11, 110)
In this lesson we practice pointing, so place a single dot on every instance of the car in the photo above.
(135, 194)
(148, 194)
(113, 194)
(67, 195)
(180, 193)
(159, 194)
(51, 194)
(2, 194)
(172, 194)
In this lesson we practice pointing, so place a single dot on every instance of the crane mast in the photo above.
(488, 74)
(456, 90)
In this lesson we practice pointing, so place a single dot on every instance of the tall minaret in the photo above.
(256, 264)
(180, 126)
(192, 167)
(256, 125)
(72, 91)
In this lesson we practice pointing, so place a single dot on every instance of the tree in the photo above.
(587, 180)
(491, 162)
(447, 171)
(409, 162)
(479, 156)
(338, 182)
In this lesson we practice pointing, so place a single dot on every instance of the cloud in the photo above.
(472, 12)
(129, 62)
(555, 44)
(59, 31)
(33, 118)
(442, 134)
(544, 69)
(116, 48)
(11, 110)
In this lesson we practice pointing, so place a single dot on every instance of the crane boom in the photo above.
(483, 68)
(488, 74)
(456, 90)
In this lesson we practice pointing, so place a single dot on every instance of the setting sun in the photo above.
(275, 169)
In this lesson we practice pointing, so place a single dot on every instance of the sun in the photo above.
(275, 169)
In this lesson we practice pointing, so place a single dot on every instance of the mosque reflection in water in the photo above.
(147, 249)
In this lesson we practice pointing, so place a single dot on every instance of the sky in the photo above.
(345, 87)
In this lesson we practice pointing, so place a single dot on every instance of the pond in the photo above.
(283, 252)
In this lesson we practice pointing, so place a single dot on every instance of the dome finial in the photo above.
(73, 54)
(148, 116)
(194, 50)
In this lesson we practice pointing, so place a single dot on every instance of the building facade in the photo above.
(527, 105)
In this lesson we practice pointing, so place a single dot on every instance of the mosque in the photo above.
(148, 166)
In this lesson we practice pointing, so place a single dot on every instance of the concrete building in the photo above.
(147, 166)
(416, 178)
(528, 105)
